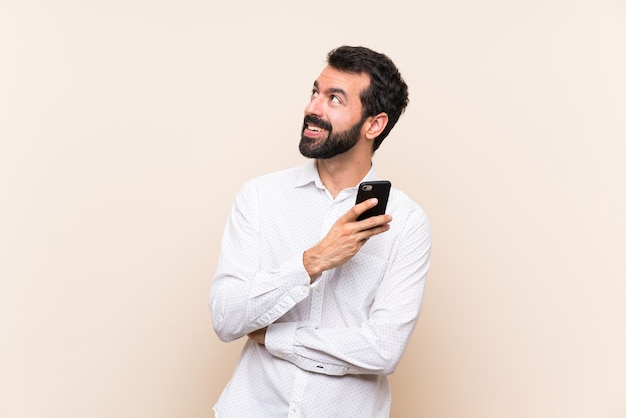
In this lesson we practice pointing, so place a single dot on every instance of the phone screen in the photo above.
(378, 189)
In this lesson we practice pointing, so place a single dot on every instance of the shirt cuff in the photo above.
(279, 342)
(279, 339)
(294, 267)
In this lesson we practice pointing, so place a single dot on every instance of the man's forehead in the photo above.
(332, 78)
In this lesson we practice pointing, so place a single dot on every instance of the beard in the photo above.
(335, 143)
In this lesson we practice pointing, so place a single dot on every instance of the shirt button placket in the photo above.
(329, 220)
(317, 296)
(317, 299)
(294, 410)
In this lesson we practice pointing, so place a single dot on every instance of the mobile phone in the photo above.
(378, 189)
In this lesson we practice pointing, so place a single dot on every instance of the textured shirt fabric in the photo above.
(330, 345)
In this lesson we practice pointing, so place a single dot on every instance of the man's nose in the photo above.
(314, 107)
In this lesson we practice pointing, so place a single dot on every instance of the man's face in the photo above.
(333, 118)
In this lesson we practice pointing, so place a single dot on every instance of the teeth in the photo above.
(315, 129)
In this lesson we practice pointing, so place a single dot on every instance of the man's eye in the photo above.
(314, 93)
(335, 99)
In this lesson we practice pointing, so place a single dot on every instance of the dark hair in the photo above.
(387, 91)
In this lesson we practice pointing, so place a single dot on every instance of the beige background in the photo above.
(126, 128)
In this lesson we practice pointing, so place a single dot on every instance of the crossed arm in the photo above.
(372, 347)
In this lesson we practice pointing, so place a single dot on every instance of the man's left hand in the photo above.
(258, 336)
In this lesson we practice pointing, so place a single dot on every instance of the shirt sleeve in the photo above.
(376, 346)
(243, 296)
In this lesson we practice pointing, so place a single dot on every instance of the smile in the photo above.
(315, 128)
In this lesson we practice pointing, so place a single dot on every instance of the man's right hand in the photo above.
(344, 240)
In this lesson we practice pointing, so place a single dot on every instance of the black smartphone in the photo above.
(378, 189)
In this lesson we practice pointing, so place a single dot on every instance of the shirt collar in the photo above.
(309, 174)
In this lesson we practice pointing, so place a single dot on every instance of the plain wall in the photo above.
(127, 127)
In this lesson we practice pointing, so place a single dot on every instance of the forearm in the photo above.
(370, 349)
(242, 302)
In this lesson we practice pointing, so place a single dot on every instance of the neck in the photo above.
(341, 172)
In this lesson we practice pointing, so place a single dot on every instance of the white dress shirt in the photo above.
(330, 344)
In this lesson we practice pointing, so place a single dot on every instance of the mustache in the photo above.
(314, 120)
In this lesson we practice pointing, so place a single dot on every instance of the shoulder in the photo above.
(401, 200)
(403, 208)
(273, 181)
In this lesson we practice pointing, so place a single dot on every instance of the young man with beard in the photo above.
(328, 303)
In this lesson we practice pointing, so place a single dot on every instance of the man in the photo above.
(328, 303)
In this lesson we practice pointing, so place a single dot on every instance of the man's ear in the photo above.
(376, 125)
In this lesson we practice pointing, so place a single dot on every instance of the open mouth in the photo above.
(315, 126)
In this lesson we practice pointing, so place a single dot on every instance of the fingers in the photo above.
(378, 227)
(359, 208)
(374, 221)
